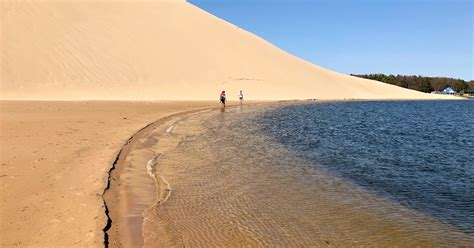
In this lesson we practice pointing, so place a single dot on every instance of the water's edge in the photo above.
(143, 148)
(113, 236)
(112, 193)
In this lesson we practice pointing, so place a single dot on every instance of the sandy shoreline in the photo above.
(54, 160)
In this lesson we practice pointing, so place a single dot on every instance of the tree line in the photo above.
(420, 83)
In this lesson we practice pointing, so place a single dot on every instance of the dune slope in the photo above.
(148, 50)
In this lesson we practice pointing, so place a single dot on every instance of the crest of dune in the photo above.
(155, 50)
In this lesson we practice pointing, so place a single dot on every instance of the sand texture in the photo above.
(165, 50)
(55, 157)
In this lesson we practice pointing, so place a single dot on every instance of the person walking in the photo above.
(241, 97)
(222, 97)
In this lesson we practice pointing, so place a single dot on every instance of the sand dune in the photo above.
(147, 50)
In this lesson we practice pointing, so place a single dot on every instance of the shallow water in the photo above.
(238, 179)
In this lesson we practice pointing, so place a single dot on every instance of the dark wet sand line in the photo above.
(111, 193)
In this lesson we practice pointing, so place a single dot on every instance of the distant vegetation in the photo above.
(423, 84)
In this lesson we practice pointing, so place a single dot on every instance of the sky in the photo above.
(408, 37)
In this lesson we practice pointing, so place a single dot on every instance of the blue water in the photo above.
(417, 153)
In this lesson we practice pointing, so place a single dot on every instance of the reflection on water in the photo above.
(231, 184)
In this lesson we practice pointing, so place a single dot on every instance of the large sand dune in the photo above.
(151, 50)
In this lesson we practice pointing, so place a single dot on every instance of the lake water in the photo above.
(418, 153)
(316, 174)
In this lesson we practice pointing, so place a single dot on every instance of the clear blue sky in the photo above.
(411, 37)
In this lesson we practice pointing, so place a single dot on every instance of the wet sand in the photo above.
(55, 157)
(220, 183)
(134, 187)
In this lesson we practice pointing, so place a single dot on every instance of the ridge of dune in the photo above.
(155, 50)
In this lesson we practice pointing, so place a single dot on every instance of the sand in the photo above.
(55, 157)
(164, 49)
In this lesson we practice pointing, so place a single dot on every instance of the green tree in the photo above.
(420, 83)
(460, 86)
(426, 85)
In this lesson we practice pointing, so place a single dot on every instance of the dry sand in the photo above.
(164, 49)
(54, 160)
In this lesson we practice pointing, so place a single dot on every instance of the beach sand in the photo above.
(55, 157)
